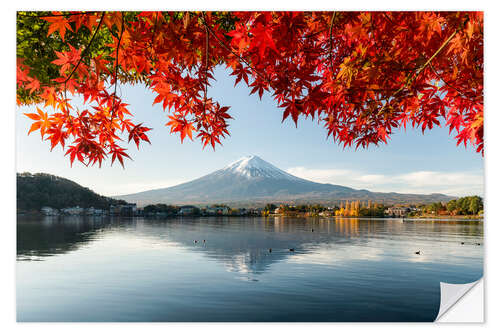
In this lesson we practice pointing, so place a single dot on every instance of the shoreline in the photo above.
(400, 219)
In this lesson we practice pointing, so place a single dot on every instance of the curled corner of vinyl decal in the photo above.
(461, 302)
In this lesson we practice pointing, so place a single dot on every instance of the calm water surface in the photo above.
(102, 269)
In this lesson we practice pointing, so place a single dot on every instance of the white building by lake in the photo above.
(49, 211)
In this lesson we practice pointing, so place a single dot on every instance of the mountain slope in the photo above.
(253, 180)
(40, 189)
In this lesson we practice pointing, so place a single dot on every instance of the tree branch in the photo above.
(116, 67)
(435, 54)
(84, 53)
(153, 35)
(234, 53)
(446, 83)
(206, 70)
(330, 55)
(411, 78)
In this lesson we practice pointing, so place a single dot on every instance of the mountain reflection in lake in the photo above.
(102, 269)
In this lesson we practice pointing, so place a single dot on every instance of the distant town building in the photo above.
(397, 211)
(216, 210)
(123, 210)
(49, 211)
(77, 210)
(187, 210)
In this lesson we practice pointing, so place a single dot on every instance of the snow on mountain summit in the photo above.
(253, 166)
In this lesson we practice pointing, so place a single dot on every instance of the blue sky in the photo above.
(410, 163)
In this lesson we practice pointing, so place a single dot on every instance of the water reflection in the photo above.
(52, 235)
(252, 245)
(104, 269)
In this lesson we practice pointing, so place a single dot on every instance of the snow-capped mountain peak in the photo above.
(253, 166)
(252, 180)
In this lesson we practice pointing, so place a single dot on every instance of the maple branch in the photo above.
(84, 53)
(446, 83)
(435, 54)
(442, 46)
(153, 35)
(387, 17)
(330, 55)
(411, 78)
(116, 68)
(234, 53)
(206, 70)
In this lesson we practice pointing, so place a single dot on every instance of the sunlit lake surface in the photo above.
(134, 269)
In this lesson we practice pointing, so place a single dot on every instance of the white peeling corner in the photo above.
(462, 303)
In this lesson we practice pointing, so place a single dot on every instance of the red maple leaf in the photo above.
(57, 23)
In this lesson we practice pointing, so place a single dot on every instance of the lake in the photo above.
(147, 270)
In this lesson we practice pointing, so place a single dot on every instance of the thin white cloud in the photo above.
(373, 179)
(418, 182)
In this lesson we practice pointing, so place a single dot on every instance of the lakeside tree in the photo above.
(270, 207)
(475, 205)
(360, 75)
(360, 208)
(161, 208)
(470, 205)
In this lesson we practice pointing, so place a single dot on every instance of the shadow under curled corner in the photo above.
(461, 302)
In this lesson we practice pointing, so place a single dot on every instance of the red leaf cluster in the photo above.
(360, 74)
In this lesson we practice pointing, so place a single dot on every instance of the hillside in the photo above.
(253, 181)
(40, 189)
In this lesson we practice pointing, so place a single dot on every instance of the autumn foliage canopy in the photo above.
(359, 74)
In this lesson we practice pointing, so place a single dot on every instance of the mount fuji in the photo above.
(251, 180)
